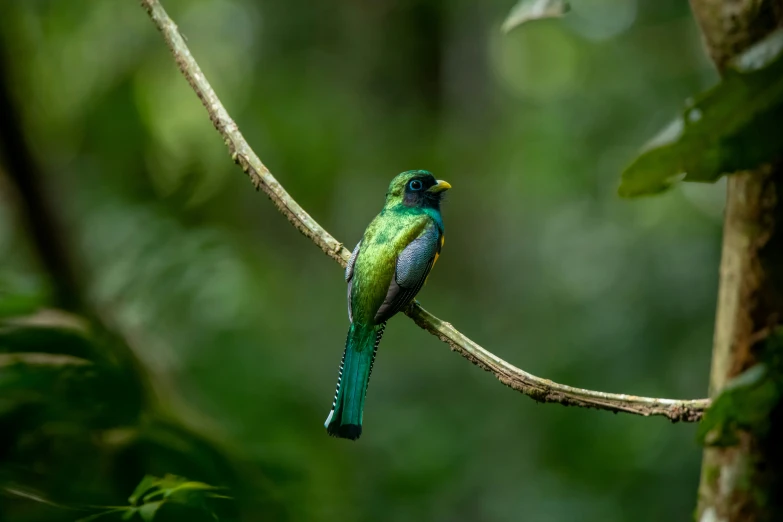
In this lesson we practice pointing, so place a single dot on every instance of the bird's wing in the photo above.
(349, 276)
(413, 266)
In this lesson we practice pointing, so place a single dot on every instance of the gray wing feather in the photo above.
(352, 262)
(413, 265)
(349, 276)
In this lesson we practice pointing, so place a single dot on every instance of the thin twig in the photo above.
(542, 390)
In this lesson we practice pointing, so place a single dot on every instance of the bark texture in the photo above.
(744, 482)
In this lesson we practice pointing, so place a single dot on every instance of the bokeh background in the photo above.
(240, 320)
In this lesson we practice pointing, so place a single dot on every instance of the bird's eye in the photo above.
(415, 184)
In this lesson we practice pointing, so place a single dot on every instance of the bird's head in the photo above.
(416, 188)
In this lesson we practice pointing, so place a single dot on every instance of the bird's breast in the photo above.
(383, 241)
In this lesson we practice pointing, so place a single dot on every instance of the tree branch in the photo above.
(542, 390)
(742, 481)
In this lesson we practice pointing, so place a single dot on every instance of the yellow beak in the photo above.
(440, 186)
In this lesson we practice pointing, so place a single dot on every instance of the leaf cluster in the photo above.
(77, 423)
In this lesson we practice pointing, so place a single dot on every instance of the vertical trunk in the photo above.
(744, 482)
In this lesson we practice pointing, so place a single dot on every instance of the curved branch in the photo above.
(542, 390)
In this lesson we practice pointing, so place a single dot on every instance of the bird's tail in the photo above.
(345, 419)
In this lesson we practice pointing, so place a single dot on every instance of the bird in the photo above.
(386, 270)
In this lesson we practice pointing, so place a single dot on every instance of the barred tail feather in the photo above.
(361, 346)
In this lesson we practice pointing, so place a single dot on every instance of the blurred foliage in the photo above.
(748, 401)
(76, 428)
(167, 498)
(732, 127)
(238, 323)
(529, 10)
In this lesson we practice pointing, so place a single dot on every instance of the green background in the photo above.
(241, 320)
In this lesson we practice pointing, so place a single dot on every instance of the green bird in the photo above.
(385, 272)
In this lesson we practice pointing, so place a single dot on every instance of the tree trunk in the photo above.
(744, 482)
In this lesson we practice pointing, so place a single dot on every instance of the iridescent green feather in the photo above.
(408, 214)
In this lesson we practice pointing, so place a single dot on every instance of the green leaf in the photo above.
(40, 360)
(746, 402)
(191, 486)
(170, 491)
(50, 331)
(529, 10)
(50, 358)
(146, 484)
(33, 376)
(153, 487)
(163, 486)
(128, 513)
(147, 511)
(732, 127)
